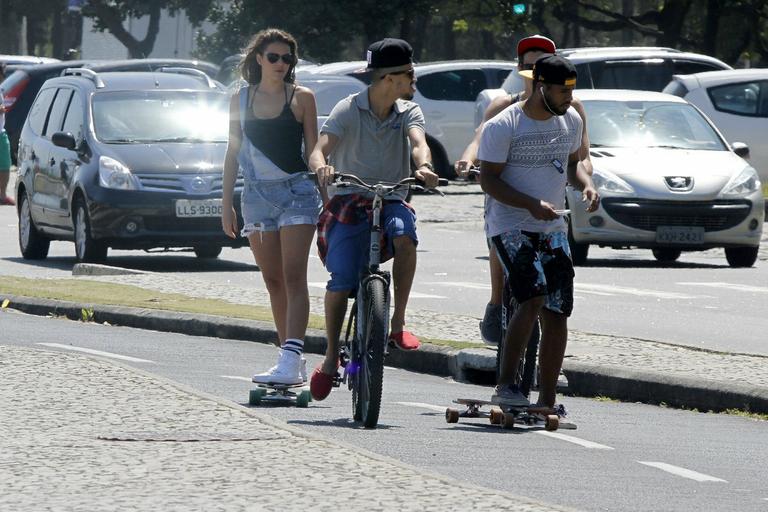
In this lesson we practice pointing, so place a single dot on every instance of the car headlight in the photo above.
(746, 182)
(606, 182)
(114, 174)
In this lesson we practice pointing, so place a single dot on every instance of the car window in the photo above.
(456, 85)
(135, 117)
(39, 111)
(56, 116)
(496, 77)
(73, 122)
(745, 99)
(649, 124)
(644, 75)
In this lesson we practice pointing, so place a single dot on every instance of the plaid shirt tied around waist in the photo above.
(349, 209)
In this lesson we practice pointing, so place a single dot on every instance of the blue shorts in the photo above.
(537, 264)
(348, 244)
(272, 204)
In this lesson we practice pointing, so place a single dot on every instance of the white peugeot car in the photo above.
(446, 92)
(616, 67)
(737, 102)
(668, 181)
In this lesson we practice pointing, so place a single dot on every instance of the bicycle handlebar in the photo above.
(345, 180)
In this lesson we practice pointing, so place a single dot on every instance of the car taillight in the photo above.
(14, 93)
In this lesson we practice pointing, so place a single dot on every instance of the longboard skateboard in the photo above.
(280, 393)
(507, 416)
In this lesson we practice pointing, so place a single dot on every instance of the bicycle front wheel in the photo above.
(370, 342)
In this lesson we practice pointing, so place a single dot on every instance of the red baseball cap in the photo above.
(536, 42)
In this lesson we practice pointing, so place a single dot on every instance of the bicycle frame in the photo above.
(362, 353)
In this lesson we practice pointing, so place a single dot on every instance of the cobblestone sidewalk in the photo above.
(85, 434)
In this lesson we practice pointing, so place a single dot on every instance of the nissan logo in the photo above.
(198, 184)
(679, 183)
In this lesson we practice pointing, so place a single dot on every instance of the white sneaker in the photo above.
(303, 370)
(286, 371)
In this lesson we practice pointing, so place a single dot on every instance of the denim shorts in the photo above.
(348, 244)
(537, 264)
(272, 204)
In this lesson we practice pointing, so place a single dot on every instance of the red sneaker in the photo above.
(320, 383)
(8, 201)
(404, 340)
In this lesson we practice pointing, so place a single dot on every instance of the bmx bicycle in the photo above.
(364, 345)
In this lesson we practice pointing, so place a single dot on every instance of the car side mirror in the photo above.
(740, 149)
(64, 140)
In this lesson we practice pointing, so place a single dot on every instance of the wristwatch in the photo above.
(428, 165)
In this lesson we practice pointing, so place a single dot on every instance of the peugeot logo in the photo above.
(679, 183)
(198, 184)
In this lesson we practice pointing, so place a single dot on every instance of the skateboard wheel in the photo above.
(552, 422)
(303, 399)
(451, 415)
(508, 421)
(255, 396)
(496, 416)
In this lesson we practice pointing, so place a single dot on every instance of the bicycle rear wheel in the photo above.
(370, 341)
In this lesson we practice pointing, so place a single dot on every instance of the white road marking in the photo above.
(731, 286)
(235, 377)
(417, 295)
(575, 440)
(97, 353)
(414, 295)
(461, 284)
(420, 405)
(685, 473)
(592, 292)
(640, 292)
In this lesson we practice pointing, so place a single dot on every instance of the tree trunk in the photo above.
(628, 10)
(111, 18)
(671, 19)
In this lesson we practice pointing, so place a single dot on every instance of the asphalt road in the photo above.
(623, 456)
(698, 301)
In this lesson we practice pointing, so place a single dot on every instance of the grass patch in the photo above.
(98, 292)
(606, 399)
(746, 414)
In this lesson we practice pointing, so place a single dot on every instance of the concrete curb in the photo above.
(584, 379)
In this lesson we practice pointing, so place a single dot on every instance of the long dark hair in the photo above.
(250, 68)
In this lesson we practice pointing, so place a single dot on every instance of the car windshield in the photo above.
(649, 124)
(139, 117)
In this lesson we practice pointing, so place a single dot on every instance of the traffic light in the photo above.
(519, 9)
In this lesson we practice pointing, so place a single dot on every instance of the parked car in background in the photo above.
(640, 68)
(668, 181)
(737, 102)
(21, 86)
(13, 60)
(446, 92)
(129, 160)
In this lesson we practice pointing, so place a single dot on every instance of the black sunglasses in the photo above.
(287, 58)
(410, 72)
